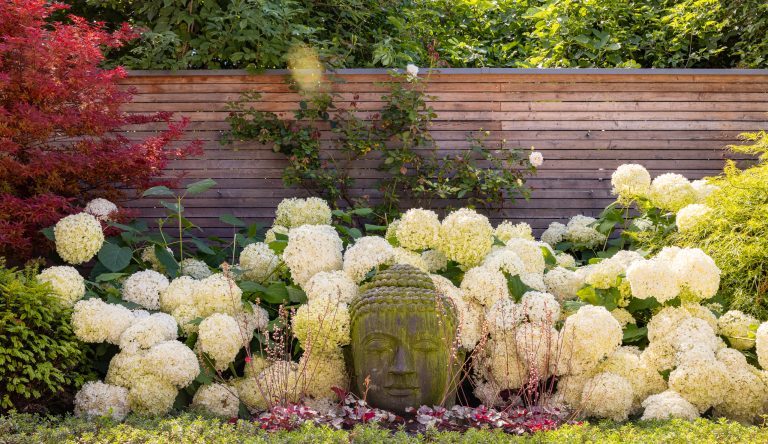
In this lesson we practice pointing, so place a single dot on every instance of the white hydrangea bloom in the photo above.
(151, 396)
(653, 279)
(530, 253)
(66, 283)
(697, 273)
(534, 281)
(334, 285)
(735, 326)
(78, 238)
(690, 216)
(100, 208)
(537, 348)
(149, 256)
(96, 399)
(220, 337)
(623, 316)
(271, 234)
(418, 229)
(504, 366)
(578, 231)
(172, 362)
(147, 332)
(540, 308)
(702, 383)
(126, 368)
(589, 335)
(258, 262)
(319, 372)
(367, 253)
(645, 380)
(563, 283)
(668, 405)
(504, 316)
(403, 256)
(671, 192)
(251, 320)
(253, 368)
(761, 344)
(217, 399)
(93, 320)
(295, 212)
(144, 287)
(484, 285)
(570, 388)
(322, 324)
(184, 314)
(178, 292)
(507, 230)
(703, 189)
(605, 273)
(194, 268)
(470, 313)
(630, 181)
(279, 379)
(745, 394)
(465, 237)
(506, 260)
(565, 260)
(435, 260)
(217, 294)
(312, 249)
(607, 395)
(554, 234)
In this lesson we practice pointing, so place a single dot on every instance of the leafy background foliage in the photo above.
(257, 34)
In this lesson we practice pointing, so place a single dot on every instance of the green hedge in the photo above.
(18, 429)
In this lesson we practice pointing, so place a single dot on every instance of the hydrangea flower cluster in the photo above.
(78, 238)
(630, 181)
(418, 229)
(671, 192)
(65, 282)
(101, 209)
(579, 231)
(689, 273)
(312, 249)
(295, 212)
(258, 262)
(465, 237)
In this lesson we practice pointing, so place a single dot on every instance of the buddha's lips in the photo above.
(401, 391)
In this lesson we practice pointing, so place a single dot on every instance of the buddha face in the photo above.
(406, 356)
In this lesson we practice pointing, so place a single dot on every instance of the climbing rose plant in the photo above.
(59, 113)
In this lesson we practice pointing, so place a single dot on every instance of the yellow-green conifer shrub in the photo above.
(42, 363)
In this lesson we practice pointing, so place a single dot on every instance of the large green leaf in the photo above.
(168, 261)
(157, 191)
(516, 286)
(633, 333)
(200, 186)
(113, 257)
(231, 220)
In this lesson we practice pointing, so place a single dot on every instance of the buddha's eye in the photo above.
(424, 345)
(377, 345)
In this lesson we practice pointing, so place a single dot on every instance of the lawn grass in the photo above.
(188, 428)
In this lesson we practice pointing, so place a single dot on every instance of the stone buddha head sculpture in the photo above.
(402, 337)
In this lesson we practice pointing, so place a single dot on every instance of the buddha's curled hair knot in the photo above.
(406, 288)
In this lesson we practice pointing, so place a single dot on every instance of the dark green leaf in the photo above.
(276, 293)
(168, 261)
(113, 257)
(173, 206)
(375, 228)
(231, 220)
(251, 287)
(296, 295)
(202, 246)
(157, 191)
(200, 186)
(633, 333)
(106, 277)
(516, 286)
(48, 233)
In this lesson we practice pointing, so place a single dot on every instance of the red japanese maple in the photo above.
(59, 112)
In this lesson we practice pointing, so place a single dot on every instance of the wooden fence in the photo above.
(585, 122)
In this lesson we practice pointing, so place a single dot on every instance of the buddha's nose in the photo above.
(402, 362)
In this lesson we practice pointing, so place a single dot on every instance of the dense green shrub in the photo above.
(23, 429)
(457, 33)
(41, 361)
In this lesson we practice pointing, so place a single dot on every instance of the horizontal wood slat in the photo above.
(585, 122)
